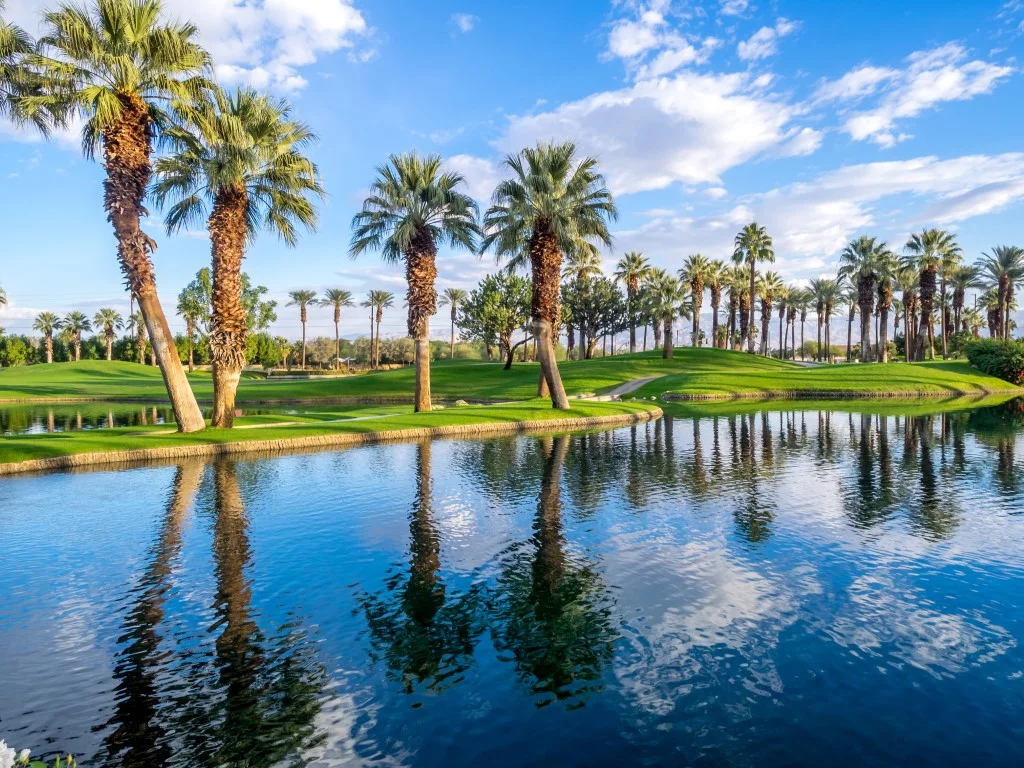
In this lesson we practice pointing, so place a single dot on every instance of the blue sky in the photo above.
(823, 121)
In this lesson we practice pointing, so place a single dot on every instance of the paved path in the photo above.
(624, 389)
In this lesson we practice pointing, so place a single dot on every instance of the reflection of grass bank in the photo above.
(889, 407)
(69, 449)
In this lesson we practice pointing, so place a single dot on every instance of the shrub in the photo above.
(1004, 359)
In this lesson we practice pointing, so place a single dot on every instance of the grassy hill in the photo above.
(690, 372)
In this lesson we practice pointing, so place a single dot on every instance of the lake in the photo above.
(770, 586)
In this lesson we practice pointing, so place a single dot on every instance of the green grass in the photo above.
(25, 447)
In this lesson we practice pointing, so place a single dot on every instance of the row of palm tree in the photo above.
(106, 321)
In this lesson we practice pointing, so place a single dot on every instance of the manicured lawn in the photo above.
(25, 447)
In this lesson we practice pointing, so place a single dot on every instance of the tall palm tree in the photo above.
(413, 207)
(697, 271)
(337, 299)
(768, 287)
(74, 324)
(826, 293)
(831, 296)
(952, 258)
(119, 64)
(752, 244)
(737, 283)
(804, 304)
(454, 298)
(137, 326)
(237, 163)
(46, 323)
(851, 299)
(379, 301)
(667, 293)
(715, 282)
(109, 321)
(962, 280)
(632, 270)
(794, 296)
(302, 299)
(861, 263)
(555, 204)
(926, 252)
(194, 311)
(1004, 268)
(888, 269)
(907, 281)
(971, 321)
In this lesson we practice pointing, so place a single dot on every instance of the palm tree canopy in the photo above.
(412, 195)
(242, 142)
(379, 299)
(3, 297)
(583, 264)
(15, 80)
(46, 323)
(770, 286)
(931, 249)
(551, 192)
(865, 257)
(337, 298)
(109, 320)
(111, 56)
(453, 297)
(753, 244)
(1005, 262)
(301, 299)
(75, 323)
(633, 269)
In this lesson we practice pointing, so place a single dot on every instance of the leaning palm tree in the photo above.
(752, 244)
(46, 323)
(1004, 268)
(302, 299)
(861, 262)
(337, 299)
(237, 164)
(414, 206)
(118, 64)
(109, 321)
(697, 271)
(927, 251)
(555, 204)
(378, 301)
(74, 324)
(632, 270)
(454, 298)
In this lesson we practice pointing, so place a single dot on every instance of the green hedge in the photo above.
(1004, 359)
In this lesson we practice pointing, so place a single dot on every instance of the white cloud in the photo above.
(930, 78)
(481, 175)
(650, 35)
(689, 128)
(765, 42)
(464, 22)
(734, 7)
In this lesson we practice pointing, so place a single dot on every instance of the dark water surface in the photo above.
(773, 588)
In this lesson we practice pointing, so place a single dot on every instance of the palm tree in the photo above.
(888, 269)
(555, 205)
(110, 322)
(666, 294)
(632, 270)
(74, 325)
(697, 270)
(137, 325)
(715, 282)
(752, 244)
(412, 207)
(850, 299)
(302, 299)
(236, 163)
(117, 63)
(794, 296)
(736, 282)
(962, 280)
(831, 296)
(952, 257)
(46, 323)
(927, 251)
(804, 304)
(378, 302)
(16, 81)
(194, 311)
(861, 262)
(971, 321)
(3, 298)
(1004, 268)
(768, 287)
(454, 298)
(906, 280)
(336, 299)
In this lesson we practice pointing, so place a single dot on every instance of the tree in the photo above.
(137, 325)
(825, 293)
(46, 323)
(413, 207)
(752, 244)
(961, 280)
(378, 301)
(952, 257)
(108, 321)
(906, 280)
(336, 299)
(16, 80)
(850, 299)
(3, 298)
(117, 63)
(236, 162)
(926, 252)
(554, 205)
(803, 303)
(196, 312)
(302, 299)
(715, 281)
(1004, 268)
(454, 298)
(632, 270)
(861, 262)
(495, 310)
(74, 325)
(597, 308)
(668, 294)
(888, 268)
(768, 287)
(697, 271)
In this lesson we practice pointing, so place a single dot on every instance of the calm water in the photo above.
(781, 587)
(41, 419)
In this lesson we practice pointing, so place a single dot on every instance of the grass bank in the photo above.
(25, 453)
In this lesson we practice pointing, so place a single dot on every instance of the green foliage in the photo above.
(997, 357)
(596, 308)
(195, 303)
(13, 351)
(959, 342)
(496, 309)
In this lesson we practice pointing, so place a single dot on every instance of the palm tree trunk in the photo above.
(925, 331)
(819, 337)
(849, 339)
(303, 321)
(190, 329)
(421, 276)
(369, 353)
(546, 264)
(49, 348)
(645, 337)
(452, 354)
(782, 337)
(667, 351)
(943, 323)
(696, 322)
(126, 150)
(632, 321)
(803, 327)
(337, 345)
(228, 332)
(110, 347)
(883, 340)
(752, 318)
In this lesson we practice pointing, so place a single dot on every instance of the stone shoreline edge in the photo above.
(809, 394)
(342, 440)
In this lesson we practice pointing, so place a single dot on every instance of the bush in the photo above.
(1004, 359)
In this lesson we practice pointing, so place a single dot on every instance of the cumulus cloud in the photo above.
(481, 175)
(651, 46)
(734, 7)
(930, 78)
(765, 42)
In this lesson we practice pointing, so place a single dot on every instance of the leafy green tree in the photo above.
(495, 310)
(13, 351)
(554, 205)
(597, 308)
(413, 207)
(194, 308)
(118, 64)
